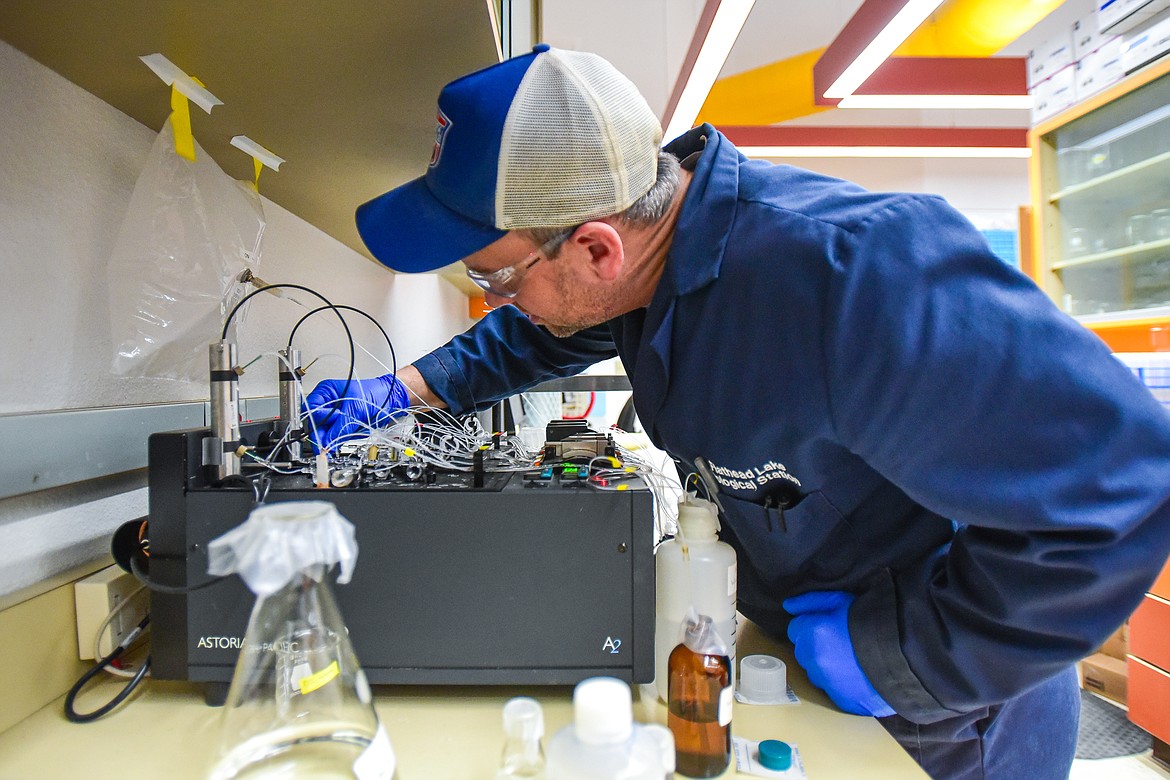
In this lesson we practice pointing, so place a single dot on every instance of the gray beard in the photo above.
(564, 331)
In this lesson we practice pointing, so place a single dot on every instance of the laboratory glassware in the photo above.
(699, 707)
(299, 705)
(523, 756)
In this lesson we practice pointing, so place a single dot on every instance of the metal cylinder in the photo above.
(225, 411)
(290, 410)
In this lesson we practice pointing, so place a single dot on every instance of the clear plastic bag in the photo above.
(267, 556)
(190, 235)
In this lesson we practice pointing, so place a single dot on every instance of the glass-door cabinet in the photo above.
(1101, 204)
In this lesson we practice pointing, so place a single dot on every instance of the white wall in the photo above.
(68, 163)
(646, 40)
(988, 192)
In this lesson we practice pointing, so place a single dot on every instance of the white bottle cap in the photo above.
(603, 711)
(698, 518)
(523, 718)
(763, 680)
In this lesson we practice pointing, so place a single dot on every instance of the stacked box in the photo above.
(1105, 675)
(1144, 44)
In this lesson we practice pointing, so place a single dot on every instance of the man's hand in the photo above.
(820, 632)
(367, 403)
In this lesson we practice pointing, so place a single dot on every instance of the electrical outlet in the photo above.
(97, 596)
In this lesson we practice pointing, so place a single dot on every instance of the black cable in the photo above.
(328, 304)
(385, 335)
(86, 717)
(174, 590)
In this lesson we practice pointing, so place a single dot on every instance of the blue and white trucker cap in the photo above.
(552, 138)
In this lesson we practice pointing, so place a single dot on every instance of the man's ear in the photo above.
(605, 248)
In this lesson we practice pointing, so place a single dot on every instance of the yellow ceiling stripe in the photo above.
(975, 28)
(765, 95)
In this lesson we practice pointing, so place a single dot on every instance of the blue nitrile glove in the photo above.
(367, 403)
(820, 632)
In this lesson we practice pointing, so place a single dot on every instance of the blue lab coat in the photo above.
(888, 409)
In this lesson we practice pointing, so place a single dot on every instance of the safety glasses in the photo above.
(505, 282)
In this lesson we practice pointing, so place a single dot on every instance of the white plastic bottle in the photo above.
(604, 743)
(693, 569)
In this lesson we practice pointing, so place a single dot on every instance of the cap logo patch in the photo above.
(442, 125)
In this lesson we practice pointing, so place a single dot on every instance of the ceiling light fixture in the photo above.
(886, 151)
(858, 71)
(715, 34)
(808, 141)
(987, 102)
(897, 19)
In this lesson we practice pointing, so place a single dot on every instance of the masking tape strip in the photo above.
(181, 125)
(312, 682)
(260, 156)
(258, 152)
(174, 76)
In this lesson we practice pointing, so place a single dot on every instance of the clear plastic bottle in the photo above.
(693, 569)
(604, 743)
(523, 729)
(299, 705)
(699, 708)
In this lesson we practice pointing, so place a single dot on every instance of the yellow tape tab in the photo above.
(181, 125)
(259, 166)
(408, 452)
(316, 680)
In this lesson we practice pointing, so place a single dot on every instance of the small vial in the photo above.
(523, 728)
(699, 706)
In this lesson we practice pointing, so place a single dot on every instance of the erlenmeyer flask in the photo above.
(299, 705)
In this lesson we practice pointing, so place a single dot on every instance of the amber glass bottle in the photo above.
(699, 709)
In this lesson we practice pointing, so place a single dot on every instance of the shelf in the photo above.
(1116, 183)
(1113, 254)
(344, 91)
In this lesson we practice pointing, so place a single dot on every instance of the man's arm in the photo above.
(958, 380)
(418, 389)
(504, 354)
(499, 356)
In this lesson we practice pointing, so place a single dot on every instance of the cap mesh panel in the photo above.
(579, 143)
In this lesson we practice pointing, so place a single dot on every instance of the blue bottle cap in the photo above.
(775, 755)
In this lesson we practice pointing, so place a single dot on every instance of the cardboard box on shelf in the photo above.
(1087, 38)
(1118, 16)
(1099, 69)
(1105, 675)
(1054, 94)
(1050, 56)
(1145, 44)
(1117, 645)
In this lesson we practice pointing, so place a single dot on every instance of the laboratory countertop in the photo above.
(438, 733)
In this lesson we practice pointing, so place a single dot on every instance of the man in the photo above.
(955, 488)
